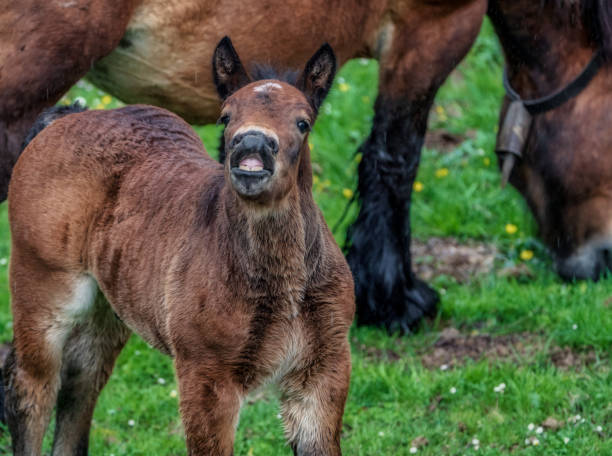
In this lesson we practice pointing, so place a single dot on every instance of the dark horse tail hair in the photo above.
(48, 116)
(5, 353)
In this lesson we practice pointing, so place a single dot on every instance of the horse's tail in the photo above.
(48, 116)
(5, 350)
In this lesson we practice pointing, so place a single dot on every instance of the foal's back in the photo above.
(118, 182)
(148, 154)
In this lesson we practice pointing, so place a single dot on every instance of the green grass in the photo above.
(390, 396)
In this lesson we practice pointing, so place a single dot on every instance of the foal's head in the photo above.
(267, 122)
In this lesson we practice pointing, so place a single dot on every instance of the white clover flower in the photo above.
(475, 441)
(566, 440)
(161, 381)
(539, 430)
(453, 390)
(531, 426)
(444, 367)
(131, 423)
(173, 393)
(500, 388)
(3, 261)
(574, 326)
(381, 434)
(599, 429)
(413, 450)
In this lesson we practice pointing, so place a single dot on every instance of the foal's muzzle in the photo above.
(252, 162)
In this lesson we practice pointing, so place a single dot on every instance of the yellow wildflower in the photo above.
(511, 228)
(344, 87)
(347, 193)
(440, 110)
(442, 172)
(486, 161)
(417, 186)
(526, 255)
(310, 145)
(99, 106)
(315, 179)
(106, 99)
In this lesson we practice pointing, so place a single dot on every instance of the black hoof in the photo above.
(385, 297)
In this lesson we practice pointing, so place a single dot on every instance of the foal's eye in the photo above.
(224, 119)
(303, 125)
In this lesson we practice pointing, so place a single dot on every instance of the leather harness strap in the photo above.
(543, 104)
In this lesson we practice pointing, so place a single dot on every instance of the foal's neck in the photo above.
(270, 244)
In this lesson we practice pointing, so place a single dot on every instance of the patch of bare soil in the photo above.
(447, 256)
(442, 141)
(453, 348)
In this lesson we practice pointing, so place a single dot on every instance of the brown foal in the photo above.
(120, 222)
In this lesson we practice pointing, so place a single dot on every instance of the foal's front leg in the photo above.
(313, 403)
(210, 405)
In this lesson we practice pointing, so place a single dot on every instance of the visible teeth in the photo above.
(251, 168)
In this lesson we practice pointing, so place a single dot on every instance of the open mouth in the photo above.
(251, 172)
(251, 163)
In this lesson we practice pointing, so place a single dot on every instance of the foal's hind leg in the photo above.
(88, 360)
(45, 304)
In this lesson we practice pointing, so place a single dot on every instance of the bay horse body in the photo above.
(160, 54)
(121, 222)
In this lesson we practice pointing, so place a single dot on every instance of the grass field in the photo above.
(540, 348)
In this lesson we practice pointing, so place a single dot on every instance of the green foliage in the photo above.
(393, 397)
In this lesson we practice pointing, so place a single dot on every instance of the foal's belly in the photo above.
(165, 56)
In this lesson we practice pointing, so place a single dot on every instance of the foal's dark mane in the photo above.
(261, 71)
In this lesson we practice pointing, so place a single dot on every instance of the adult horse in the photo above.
(160, 54)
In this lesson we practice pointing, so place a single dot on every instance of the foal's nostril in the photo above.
(272, 144)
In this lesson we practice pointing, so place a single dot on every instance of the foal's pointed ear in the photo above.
(318, 75)
(228, 73)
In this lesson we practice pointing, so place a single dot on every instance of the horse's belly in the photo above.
(165, 56)
(151, 65)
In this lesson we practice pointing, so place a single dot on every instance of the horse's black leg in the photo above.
(425, 47)
(388, 293)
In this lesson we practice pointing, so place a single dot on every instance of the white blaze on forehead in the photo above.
(267, 86)
(257, 128)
